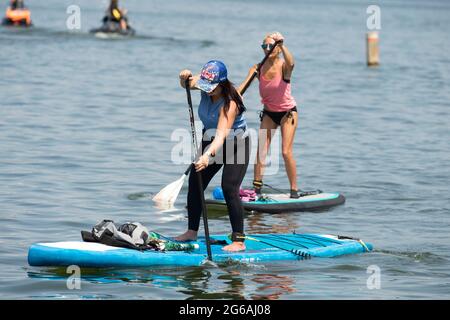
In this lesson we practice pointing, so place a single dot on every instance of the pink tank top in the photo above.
(276, 94)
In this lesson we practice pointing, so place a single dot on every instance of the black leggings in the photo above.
(234, 169)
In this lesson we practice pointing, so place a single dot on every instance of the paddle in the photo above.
(170, 193)
(199, 174)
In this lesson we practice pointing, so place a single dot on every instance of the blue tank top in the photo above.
(209, 112)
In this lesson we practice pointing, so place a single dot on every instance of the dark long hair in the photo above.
(229, 94)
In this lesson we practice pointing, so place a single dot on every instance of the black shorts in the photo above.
(277, 116)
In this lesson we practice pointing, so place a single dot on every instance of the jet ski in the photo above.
(111, 29)
(17, 17)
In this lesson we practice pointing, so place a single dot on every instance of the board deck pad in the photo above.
(88, 254)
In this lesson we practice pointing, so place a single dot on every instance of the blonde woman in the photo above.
(279, 108)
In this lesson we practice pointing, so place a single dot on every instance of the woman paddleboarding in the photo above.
(225, 143)
(279, 108)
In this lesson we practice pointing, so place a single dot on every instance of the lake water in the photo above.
(86, 126)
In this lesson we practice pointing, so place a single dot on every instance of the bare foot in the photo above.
(187, 236)
(234, 247)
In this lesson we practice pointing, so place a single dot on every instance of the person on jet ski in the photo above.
(17, 4)
(17, 14)
(116, 15)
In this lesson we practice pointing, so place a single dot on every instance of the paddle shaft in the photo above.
(199, 174)
(249, 82)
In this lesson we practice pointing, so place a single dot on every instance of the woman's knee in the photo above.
(287, 153)
(230, 190)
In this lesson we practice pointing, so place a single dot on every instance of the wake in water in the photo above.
(423, 257)
(140, 196)
(52, 34)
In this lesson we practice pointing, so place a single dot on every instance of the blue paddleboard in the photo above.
(282, 203)
(260, 248)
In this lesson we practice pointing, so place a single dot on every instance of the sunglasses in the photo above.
(267, 46)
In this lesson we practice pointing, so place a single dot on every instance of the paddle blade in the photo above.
(170, 193)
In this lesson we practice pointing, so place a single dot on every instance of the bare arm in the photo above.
(186, 74)
(223, 129)
(249, 76)
(289, 62)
